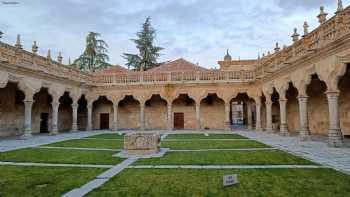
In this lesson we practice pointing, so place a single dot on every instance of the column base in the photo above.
(250, 128)
(74, 128)
(284, 131)
(304, 135)
(26, 135)
(54, 131)
(269, 130)
(259, 129)
(335, 138)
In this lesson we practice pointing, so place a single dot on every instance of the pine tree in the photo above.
(148, 53)
(95, 54)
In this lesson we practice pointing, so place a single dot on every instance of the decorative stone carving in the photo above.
(140, 144)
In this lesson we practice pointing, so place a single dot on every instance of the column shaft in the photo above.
(115, 117)
(303, 118)
(75, 117)
(55, 106)
(227, 116)
(28, 118)
(169, 117)
(283, 114)
(249, 116)
(198, 114)
(142, 116)
(89, 118)
(269, 116)
(258, 116)
(335, 136)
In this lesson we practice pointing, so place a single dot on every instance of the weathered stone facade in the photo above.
(302, 88)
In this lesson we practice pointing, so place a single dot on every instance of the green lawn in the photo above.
(42, 181)
(107, 136)
(262, 182)
(270, 157)
(212, 144)
(90, 143)
(202, 136)
(60, 156)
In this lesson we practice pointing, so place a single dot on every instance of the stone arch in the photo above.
(212, 112)
(102, 113)
(129, 112)
(11, 110)
(156, 112)
(184, 105)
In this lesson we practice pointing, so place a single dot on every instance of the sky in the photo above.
(198, 30)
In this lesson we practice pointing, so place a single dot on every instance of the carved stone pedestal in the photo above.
(140, 144)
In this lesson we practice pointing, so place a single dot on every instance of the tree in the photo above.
(148, 53)
(95, 54)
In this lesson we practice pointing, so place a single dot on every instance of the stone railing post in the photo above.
(335, 136)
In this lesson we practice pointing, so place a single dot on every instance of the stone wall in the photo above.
(344, 103)
(213, 114)
(189, 110)
(156, 114)
(129, 114)
(101, 107)
(11, 112)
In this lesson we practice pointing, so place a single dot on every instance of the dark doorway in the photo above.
(44, 123)
(104, 121)
(179, 121)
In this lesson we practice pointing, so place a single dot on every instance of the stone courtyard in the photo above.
(279, 123)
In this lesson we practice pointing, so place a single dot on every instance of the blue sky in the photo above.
(197, 30)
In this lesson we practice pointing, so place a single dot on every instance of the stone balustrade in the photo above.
(175, 77)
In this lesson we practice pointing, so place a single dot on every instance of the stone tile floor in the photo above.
(316, 150)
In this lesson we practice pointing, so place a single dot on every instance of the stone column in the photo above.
(89, 117)
(227, 116)
(75, 117)
(115, 116)
(198, 114)
(258, 116)
(27, 118)
(169, 116)
(283, 114)
(304, 133)
(249, 116)
(268, 104)
(142, 115)
(335, 136)
(55, 105)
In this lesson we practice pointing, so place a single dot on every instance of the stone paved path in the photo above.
(226, 166)
(3, 163)
(316, 150)
(38, 140)
(74, 148)
(100, 179)
(227, 149)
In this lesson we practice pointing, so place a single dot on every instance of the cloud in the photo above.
(199, 30)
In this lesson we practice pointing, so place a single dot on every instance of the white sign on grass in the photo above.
(230, 180)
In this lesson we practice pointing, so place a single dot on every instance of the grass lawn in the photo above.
(107, 136)
(90, 143)
(211, 144)
(270, 157)
(202, 136)
(259, 182)
(60, 156)
(42, 181)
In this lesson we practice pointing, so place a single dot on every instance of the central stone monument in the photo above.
(141, 144)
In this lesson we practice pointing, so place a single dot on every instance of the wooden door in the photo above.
(179, 121)
(104, 121)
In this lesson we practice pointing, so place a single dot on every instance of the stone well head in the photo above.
(141, 144)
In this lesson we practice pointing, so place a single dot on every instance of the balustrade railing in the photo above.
(175, 77)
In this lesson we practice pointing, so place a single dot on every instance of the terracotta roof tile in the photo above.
(112, 70)
(177, 65)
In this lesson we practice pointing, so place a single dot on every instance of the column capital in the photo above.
(55, 103)
(303, 97)
(332, 93)
(75, 105)
(283, 100)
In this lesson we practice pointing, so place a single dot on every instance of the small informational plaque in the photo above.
(230, 180)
